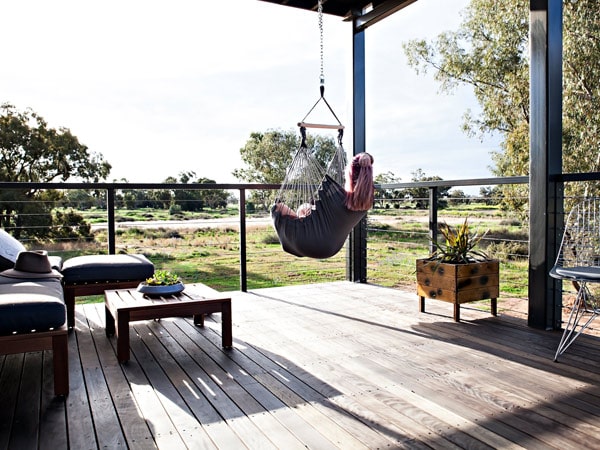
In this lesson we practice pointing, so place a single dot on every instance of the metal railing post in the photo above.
(110, 209)
(243, 268)
(433, 218)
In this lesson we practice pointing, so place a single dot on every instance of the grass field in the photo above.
(211, 254)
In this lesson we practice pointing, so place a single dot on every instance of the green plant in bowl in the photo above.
(163, 278)
(458, 245)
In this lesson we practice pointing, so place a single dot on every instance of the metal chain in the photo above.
(320, 12)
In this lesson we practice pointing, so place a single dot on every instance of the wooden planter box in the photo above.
(458, 283)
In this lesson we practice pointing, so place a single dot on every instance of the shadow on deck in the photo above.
(337, 365)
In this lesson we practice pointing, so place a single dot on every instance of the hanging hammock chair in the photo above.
(323, 232)
(321, 229)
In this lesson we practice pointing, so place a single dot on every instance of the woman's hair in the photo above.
(360, 191)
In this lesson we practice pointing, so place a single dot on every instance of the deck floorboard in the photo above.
(329, 366)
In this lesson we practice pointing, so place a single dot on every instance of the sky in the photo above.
(159, 88)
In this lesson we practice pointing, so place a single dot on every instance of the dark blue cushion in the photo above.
(31, 305)
(106, 268)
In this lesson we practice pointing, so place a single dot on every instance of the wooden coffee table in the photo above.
(128, 305)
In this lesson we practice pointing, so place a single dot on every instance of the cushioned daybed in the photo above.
(33, 313)
(38, 307)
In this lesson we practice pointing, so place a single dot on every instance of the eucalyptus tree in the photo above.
(31, 151)
(490, 53)
(268, 155)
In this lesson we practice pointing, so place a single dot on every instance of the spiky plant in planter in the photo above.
(457, 272)
(458, 245)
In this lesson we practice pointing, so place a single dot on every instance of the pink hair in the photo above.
(360, 191)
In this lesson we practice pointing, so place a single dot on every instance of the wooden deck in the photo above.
(329, 366)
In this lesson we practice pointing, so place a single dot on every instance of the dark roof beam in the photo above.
(366, 12)
(387, 8)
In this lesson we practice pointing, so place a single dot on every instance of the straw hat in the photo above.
(32, 264)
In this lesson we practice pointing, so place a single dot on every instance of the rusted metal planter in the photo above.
(458, 283)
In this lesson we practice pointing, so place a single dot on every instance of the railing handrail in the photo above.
(454, 183)
(112, 187)
(129, 186)
(565, 177)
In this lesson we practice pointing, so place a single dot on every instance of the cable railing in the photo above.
(233, 248)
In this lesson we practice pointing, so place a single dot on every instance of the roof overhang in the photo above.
(364, 12)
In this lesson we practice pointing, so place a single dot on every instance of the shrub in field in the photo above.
(269, 239)
(509, 250)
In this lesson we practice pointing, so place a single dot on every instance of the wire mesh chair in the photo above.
(578, 261)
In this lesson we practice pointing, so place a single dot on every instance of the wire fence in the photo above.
(203, 244)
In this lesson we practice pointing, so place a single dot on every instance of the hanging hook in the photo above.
(321, 81)
(322, 76)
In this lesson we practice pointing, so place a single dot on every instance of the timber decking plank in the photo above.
(513, 396)
(269, 365)
(286, 328)
(154, 400)
(261, 366)
(53, 417)
(238, 385)
(440, 378)
(107, 427)
(25, 430)
(338, 365)
(249, 359)
(202, 387)
(515, 350)
(500, 408)
(321, 421)
(228, 383)
(528, 393)
(133, 426)
(359, 387)
(79, 415)
(178, 380)
(525, 391)
(9, 381)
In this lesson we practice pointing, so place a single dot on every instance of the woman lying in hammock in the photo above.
(360, 190)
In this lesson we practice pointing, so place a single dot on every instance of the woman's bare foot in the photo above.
(285, 210)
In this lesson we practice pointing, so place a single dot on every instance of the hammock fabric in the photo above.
(322, 233)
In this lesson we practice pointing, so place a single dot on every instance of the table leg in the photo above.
(122, 336)
(110, 322)
(226, 324)
(199, 320)
(69, 297)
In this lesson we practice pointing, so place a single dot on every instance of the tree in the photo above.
(489, 52)
(420, 195)
(213, 198)
(490, 195)
(457, 197)
(388, 197)
(268, 155)
(32, 152)
(197, 200)
(82, 199)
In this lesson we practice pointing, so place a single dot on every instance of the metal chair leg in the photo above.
(580, 308)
